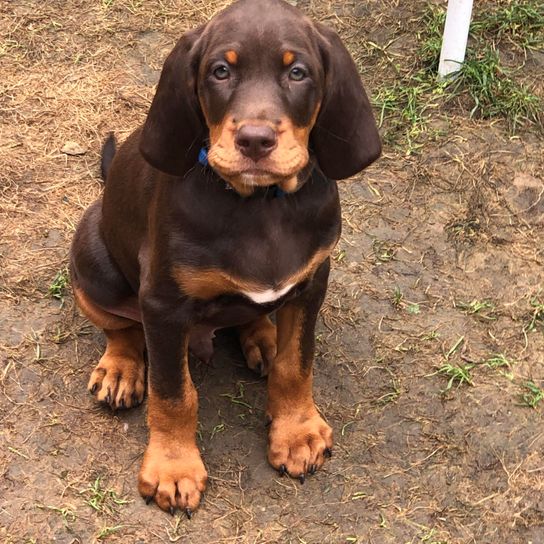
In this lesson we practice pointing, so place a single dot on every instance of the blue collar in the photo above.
(203, 156)
(203, 160)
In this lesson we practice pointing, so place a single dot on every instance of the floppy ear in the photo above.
(174, 130)
(345, 138)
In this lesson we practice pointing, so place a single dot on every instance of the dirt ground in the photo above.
(440, 263)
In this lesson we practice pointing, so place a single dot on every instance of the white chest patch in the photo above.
(270, 295)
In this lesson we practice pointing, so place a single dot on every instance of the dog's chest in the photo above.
(262, 266)
(259, 249)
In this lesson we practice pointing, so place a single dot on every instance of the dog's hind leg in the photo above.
(258, 342)
(119, 377)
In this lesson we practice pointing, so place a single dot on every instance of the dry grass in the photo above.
(412, 464)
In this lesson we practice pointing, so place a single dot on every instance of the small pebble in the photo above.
(73, 148)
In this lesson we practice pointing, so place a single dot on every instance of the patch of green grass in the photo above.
(358, 495)
(429, 537)
(239, 397)
(384, 251)
(107, 531)
(407, 105)
(103, 500)
(532, 396)
(391, 396)
(481, 308)
(397, 297)
(483, 84)
(397, 300)
(455, 347)
(537, 315)
(57, 289)
(68, 515)
(339, 256)
(432, 23)
(219, 428)
(521, 22)
(430, 336)
(475, 306)
(493, 92)
(499, 360)
(457, 374)
(464, 229)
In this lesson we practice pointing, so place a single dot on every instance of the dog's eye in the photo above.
(221, 72)
(297, 73)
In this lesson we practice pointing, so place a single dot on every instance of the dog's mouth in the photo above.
(262, 177)
(258, 172)
(245, 175)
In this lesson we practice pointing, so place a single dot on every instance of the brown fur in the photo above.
(99, 317)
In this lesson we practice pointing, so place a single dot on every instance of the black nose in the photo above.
(255, 141)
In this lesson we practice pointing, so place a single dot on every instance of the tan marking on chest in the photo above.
(209, 283)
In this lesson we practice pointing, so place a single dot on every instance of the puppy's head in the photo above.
(262, 87)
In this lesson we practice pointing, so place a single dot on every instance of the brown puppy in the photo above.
(180, 246)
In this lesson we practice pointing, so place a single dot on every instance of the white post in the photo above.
(454, 42)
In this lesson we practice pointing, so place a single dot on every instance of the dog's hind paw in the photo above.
(258, 341)
(118, 381)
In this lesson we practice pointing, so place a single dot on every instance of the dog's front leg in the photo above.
(299, 438)
(172, 471)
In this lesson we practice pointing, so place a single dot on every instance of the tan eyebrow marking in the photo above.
(231, 56)
(288, 58)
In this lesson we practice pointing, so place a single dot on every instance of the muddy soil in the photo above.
(424, 236)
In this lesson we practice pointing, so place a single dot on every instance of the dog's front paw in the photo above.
(118, 380)
(173, 475)
(298, 443)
